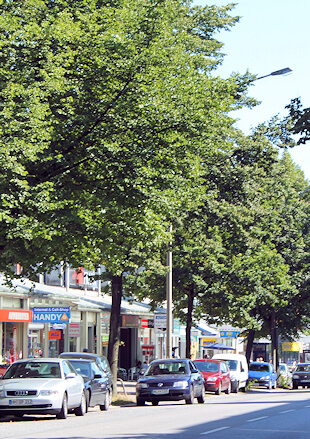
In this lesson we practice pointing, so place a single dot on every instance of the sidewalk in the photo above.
(126, 390)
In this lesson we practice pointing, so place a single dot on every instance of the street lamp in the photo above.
(276, 73)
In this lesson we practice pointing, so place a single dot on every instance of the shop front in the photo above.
(14, 334)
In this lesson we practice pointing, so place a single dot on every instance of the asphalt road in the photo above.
(276, 414)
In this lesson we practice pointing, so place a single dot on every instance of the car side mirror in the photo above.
(195, 371)
(70, 375)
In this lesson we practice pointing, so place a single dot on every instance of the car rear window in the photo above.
(259, 367)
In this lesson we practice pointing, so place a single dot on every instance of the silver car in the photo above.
(42, 386)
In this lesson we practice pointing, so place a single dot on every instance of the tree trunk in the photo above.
(115, 328)
(274, 342)
(189, 320)
(249, 346)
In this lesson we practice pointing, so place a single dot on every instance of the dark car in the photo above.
(100, 360)
(263, 374)
(301, 375)
(216, 375)
(170, 380)
(98, 390)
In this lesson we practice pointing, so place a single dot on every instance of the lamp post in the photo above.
(284, 71)
(169, 301)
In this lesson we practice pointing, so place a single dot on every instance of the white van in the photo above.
(239, 371)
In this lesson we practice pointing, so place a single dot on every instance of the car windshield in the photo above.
(302, 368)
(165, 368)
(259, 367)
(33, 369)
(207, 366)
(233, 364)
(83, 368)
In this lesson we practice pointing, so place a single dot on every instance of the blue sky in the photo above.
(270, 35)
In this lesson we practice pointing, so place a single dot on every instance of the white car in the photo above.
(42, 386)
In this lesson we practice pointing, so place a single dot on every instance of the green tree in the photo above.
(103, 110)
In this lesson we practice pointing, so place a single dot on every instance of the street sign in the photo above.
(160, 322)
(59, 326)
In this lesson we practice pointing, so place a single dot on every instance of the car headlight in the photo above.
(296, 377)
(181, 384)
(212, 379)
(48, 392)
(142, 386)
(2, 395)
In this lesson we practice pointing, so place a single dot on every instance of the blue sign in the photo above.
(229, 334)
(51, 314)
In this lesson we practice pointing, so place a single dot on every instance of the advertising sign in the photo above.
(51, 314)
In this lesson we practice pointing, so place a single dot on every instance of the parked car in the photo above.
(239, 373)
(286, 374)
(301, 375)
(263, 374)
(171, 380)
(216, 375)
(42, 386)
(101, 361)
(98, 390)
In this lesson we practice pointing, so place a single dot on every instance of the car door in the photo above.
(225, 375)
(73, 385)
(196, 378)
(97, 391)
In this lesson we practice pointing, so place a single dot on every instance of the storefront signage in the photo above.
(74, 330)
(129, 321)
(54, 335)
(147, 323)
(55, 314)
(10, 315)
(208, 341)
(229, 334)
(291, 347)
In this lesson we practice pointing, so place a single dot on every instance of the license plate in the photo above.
(19, 402)
(160, 391)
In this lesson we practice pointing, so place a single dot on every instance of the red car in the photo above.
(216, 375)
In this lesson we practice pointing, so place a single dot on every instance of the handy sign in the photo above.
(55, 314)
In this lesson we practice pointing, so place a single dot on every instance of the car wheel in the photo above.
(82, 408)
(190, 399)
(107, 400)
(201, 399)
(87, 400)
(295, 385)
(219, 389)
(228, 390)
(64, 409)
(245, 388)
(237, 388)
(269, 387)
(140, 401)
(155, 402)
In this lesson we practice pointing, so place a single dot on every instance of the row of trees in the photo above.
(113, 126)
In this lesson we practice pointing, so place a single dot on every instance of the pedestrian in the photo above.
(85, 350)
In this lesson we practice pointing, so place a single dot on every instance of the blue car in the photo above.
(171, 380)
(263, 374)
